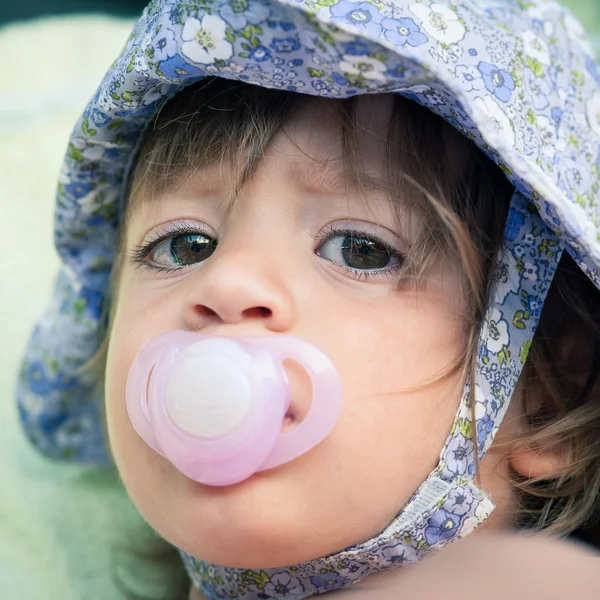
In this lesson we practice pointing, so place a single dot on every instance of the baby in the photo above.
(404, 218)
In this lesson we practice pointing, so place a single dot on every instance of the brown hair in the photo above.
(464, 198)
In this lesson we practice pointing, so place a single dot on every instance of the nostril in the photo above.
(204, 311)
(258, 311)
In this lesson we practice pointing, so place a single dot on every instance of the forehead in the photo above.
(310, 147)
(320, 125)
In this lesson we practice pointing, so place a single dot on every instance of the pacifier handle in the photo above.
(321, 416)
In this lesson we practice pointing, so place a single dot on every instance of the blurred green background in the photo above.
(588, 12)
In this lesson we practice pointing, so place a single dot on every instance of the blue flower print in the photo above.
(321, 86)
(260, 53)
(38, 382)
(283, 584)
(99, 118)
(556, 113)
(205, 40)
(77, 189)
(441, 526)
(364, 66)
(361, 15)
(459, 113)
(209, 590)
(484, 426)
(515, 221)
(462, 504)
(497, 81)
(353, 569)
(93, 302)
(177, 68)
(578, 175)
(339, 79)
(400, 553)
(176, 15)
(593, 68)
(562, 186)
(529, 302)
(238, 14)
(286, 26)
(328, 581)
(51, 422)
(551, 211)
(539, 89)
(356, 48)
(403, 31)
(459, 454)
(495, 331)
(64, 382)
(164, 45)
(470, 77)
(42, 385)
(496, 389)
(282, 45)
(95, 221)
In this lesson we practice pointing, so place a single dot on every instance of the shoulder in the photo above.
(512, 566)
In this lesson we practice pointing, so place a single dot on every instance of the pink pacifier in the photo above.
(214, 406)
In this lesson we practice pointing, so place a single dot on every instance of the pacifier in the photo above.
(214, 406)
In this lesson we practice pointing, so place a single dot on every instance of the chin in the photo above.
(258, 523)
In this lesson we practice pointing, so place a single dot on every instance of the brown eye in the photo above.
(183, 250)
(359, 253)
(365, 253)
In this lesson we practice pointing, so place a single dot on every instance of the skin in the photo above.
(531, 567)
(385, 344)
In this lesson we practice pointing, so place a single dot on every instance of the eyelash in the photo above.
(331, 231)
(140, 253)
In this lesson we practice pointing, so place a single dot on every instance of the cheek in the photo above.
(385, 444)
(394, 425)
(141, 469)
(122, 436)
(398, 346)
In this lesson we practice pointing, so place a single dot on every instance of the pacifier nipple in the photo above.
(215, 406)
(209, 391)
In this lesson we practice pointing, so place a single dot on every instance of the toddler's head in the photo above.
(369, 227)
(401, 186)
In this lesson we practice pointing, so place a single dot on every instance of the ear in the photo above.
(545, 462)
(546, 459)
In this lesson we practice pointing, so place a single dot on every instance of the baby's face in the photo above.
(298, 254)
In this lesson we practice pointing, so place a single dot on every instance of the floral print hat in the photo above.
(517, 78)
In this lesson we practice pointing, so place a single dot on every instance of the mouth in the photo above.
(289, 421)
(301, 395)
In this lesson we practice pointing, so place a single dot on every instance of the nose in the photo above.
(238, 286)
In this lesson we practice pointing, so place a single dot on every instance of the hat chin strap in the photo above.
(448, 505)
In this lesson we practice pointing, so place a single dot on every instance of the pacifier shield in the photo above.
(214, 406)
